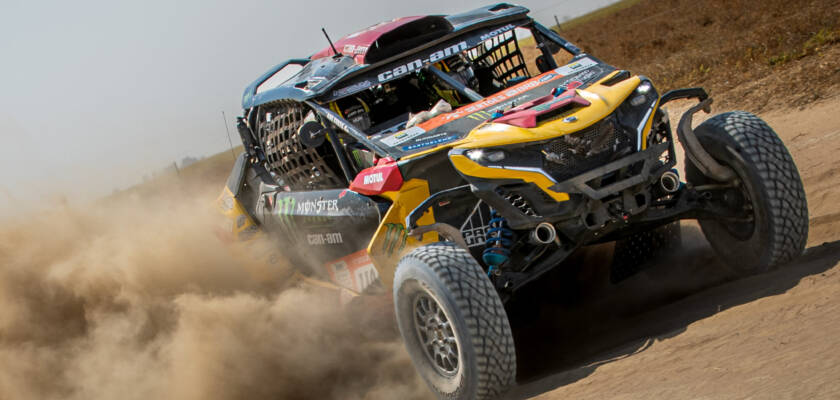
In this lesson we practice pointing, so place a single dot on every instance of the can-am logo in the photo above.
(420, 62)
(373, 178)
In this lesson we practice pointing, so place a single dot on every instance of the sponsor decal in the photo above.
(474, 229)
(497, 31)
(503, 98)
(395, 238)
(580, 78)
(317, 206)
(482, 115)
(285, 208)
(353, 49)
(497, 99)
(373, 178)
(356, 87)
(404, 136)
(420, 62)
(341, 274)
(320, 239)
(580, 65)
(354, 272)
(365, 276)
(428, 143)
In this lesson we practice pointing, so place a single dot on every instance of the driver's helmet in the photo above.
(354, 110)
(460, 69)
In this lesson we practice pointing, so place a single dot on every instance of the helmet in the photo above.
(354, 110)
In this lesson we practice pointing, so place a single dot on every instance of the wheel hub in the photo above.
(436, 336)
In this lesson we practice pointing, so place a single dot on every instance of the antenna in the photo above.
(331, 43)
(224, 118)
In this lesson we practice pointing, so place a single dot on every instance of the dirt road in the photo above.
(134, 299)
(771, 336)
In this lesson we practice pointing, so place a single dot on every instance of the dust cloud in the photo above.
(136, 298)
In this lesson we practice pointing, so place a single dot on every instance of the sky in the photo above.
(96, 94)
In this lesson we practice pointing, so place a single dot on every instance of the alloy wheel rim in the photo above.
(436, 335)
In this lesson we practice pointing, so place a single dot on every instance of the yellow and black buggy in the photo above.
(433, 158)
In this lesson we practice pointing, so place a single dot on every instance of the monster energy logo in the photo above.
(395, 238)
(285, 209)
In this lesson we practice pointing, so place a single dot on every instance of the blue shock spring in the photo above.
(497, 245)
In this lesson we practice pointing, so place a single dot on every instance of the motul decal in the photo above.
(497, 32)
(378, 179)
(373, 178)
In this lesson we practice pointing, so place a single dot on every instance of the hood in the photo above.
(452, 128)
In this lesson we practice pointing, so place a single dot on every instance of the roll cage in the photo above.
(485, 36)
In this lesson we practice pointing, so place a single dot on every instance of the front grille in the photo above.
(579, 152)
(515, 199)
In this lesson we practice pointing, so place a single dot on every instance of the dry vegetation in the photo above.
(765, 54)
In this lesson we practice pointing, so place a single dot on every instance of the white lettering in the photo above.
(318, 239)
(373, 178)
(317, 206)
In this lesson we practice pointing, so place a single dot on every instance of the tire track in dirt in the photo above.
(702, 335)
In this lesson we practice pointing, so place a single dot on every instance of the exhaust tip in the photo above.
(544, 233)
(669, 182)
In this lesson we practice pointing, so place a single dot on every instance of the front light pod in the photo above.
(480, 155)
(495, 156)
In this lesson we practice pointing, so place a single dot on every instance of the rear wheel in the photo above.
(453, 323)
(769, 189)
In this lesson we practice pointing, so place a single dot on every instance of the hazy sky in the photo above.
(95, 94)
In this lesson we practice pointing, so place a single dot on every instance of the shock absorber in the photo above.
(497, 245)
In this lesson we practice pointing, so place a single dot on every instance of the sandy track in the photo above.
(771, 336)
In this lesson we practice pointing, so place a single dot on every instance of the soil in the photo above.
(686, 327)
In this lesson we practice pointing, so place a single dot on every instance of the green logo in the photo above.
(285, 209)
(395, 238)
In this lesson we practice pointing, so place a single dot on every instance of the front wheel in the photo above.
(769, 189)
(453, 323)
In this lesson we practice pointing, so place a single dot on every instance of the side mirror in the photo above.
(312, 134)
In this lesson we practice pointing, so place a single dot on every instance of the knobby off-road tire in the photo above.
(771, 186)
(442, 294)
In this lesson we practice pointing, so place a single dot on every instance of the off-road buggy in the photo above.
(437, 159)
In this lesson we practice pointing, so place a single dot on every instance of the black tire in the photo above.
(633, 253)
(771, 186)
(486, 357)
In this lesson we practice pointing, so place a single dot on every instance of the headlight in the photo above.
(480, 155)
(634, 113)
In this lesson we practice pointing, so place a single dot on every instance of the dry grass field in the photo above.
(771, 53)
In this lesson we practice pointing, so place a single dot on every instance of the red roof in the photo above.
(357, 44)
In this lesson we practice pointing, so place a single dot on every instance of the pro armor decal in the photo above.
(474, 229)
